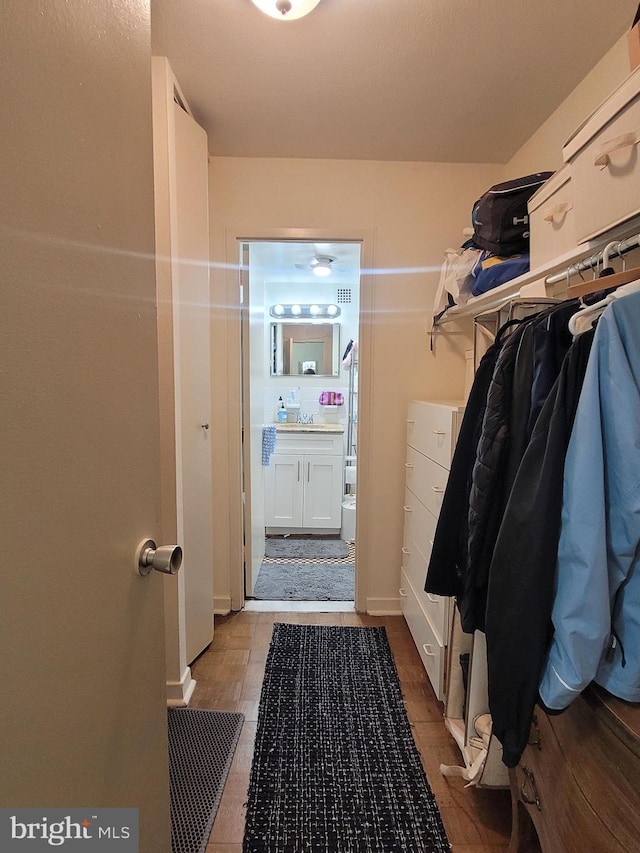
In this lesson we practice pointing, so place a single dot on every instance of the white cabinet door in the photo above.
(283, 486)
(322, 491)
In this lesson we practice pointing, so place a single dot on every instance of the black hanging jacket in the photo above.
(521, 579)
(447, 566)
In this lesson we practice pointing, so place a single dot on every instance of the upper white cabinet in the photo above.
(432, 431)
(604, 163)
(304, 480)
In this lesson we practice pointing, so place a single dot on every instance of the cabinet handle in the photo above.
(431, 542)
(530, 797)
(308, 472)
(406, 552)
(439, 432)
(410, 422)
(557, 213)
(408, 465)
(432, 598)
(437, 489)
(428, 650)
(299, 463)
(534, 734)
(627, 140)
(403, 593)
(407, 508)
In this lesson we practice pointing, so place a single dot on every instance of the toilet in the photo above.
(348, 531)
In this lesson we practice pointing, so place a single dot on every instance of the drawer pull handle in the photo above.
(439, 432)
(408, 465)
(437, 489)
(410, 422)
(407, 508)
(627, 140)
(556, 214)
(428, 650)
(432, 598)
(406, 552)
(534, 734)
(403, 593)
(530, 796)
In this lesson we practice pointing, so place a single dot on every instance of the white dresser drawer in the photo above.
(426, 479)
(552, 219)
(436, 607)
(419, 523)
(605, 163)
(432, 429)
(429, 647)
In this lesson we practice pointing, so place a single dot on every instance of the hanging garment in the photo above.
(447, 564)
(531, 353)
(596, 610)
(521, 576)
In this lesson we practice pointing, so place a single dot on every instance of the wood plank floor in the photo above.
(229, 677)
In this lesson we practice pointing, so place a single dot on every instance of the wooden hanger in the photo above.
(604, 283)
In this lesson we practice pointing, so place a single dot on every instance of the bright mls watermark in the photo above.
(69, 829)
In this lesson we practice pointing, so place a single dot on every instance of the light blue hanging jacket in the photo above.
(596, 612)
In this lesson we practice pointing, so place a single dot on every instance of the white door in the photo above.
(322, 491)
(283, 489)
(83, 705)
(191, 306)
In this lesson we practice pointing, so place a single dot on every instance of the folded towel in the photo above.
(268, 442)
(331, 398)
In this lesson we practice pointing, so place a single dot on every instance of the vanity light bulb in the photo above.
(295, 310)
(314, 310)
(331, 310)
(278, 309)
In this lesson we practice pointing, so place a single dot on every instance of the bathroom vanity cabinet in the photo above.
(304, 479)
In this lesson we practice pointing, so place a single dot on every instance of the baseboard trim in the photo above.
(384, 607)
(179, 693)
(222, 606)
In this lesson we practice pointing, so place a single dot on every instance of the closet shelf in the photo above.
(511, 289)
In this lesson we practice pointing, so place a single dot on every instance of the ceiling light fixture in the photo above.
(321, 268)
(286, 10)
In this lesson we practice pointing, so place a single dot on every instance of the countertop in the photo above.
(335, 428)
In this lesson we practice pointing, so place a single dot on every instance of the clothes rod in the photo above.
(595, 260)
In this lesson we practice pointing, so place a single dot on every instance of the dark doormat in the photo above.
(335, 765)
(201, 747)
(306, 549)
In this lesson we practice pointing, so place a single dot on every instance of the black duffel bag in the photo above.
(500, 216)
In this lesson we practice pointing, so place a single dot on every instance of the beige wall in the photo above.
(412, 211)
(543, 151)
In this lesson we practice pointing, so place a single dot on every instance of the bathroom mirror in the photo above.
(305, 349)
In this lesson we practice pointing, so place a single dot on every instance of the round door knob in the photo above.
(204, 426)
(166, 558)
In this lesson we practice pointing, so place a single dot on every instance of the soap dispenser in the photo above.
(281, 415)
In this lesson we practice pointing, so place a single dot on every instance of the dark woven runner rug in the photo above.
(201, 747)
(335, 766)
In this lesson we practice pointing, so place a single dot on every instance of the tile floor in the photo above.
(229, 677)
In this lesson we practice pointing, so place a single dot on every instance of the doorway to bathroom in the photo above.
(300, 330)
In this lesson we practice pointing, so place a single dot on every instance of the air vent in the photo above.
(344, 296)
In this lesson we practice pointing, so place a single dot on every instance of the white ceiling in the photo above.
(433, 80)
(276, 261)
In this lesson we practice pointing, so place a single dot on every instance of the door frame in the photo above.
(235, 236)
